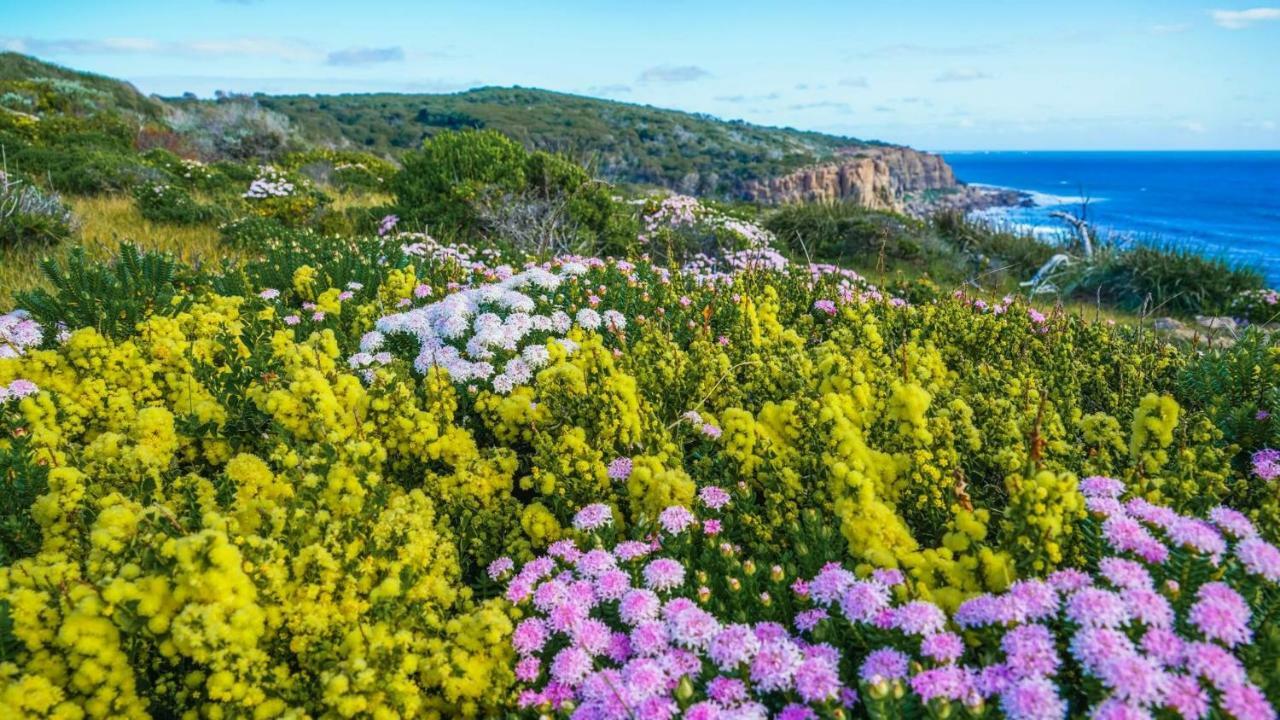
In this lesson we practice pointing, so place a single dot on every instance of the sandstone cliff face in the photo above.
(878, 177)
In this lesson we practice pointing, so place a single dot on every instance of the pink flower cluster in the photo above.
(1119, 626)
(609, 636)
(18, 332)
(1266, 464)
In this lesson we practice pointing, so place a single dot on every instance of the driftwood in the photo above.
(1081, 227)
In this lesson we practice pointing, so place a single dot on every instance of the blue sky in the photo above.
(994, 74)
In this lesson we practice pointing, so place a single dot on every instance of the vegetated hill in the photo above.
(83, 92)
(621, 141)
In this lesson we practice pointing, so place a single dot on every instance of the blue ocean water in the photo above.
(1224, 204)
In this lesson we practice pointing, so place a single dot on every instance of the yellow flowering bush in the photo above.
(269, 500)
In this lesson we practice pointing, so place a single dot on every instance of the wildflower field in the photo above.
(387, 476)
(471, 433)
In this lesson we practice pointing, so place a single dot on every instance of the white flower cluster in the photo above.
(473, 331)
(269, 183)
(17, 333)
(677, 211)
(422, 245)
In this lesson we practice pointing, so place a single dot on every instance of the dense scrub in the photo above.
(290, 486)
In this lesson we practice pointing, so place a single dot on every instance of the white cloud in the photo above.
(1240, 19)
(854, 82)
(961, 75)
(1194, 126)
(673, 74)
(243, 47)
(602, 90)
(365, 56)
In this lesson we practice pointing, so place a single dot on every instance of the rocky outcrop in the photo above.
(880, 178)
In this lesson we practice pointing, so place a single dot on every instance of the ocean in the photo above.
(1224, 204)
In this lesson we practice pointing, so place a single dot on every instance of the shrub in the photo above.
(835, 232)
(991, 245)
(171, 204)
(444, 182)
(284, 196)
(30, 216)
(1170, 279)
(254, 232)
(82, 171)
(113, 298)
(233, 128)
(343, 169)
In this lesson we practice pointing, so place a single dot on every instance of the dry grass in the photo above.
(104, 223)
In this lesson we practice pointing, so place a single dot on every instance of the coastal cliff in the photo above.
(879, 178)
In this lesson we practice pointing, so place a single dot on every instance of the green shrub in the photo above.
(285, 196)
(82, 171)
(991, 245)
(833, 232)
(253, 232)
(112, 298)
(443, 183)
(1168, 279)
(1257, 306)
(29, 216)
(343, 169)
(172, 204)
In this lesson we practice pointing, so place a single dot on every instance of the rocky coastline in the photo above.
(894, 178)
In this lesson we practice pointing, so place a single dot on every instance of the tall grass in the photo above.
(105, 221)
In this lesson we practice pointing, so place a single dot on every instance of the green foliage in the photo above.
(29, 216)
(443, 183)
(111, 298)
(233, 128)
(172, 204)
(22, 480)
(990, 246)
(626, 143)
(1239, 388)
(254, 232)
(1175, 279)
(832, 232)
(343, 169)
(81, 170)
(479, 183)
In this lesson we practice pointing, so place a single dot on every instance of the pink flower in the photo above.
(816, 680)
(620, 468)
(1034, 698)
(593, 517)
(711, 527)
(775, 664)
(713, 497)
(529, 636)
(1221, 614)
(943, 647)
(1266, 464)
(500, 567)
(884, 664)
(676, 519)
(1260, 558)
(663, 574)
(571, 665)
(734, 645)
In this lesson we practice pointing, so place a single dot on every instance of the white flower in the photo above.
(588, 318)
(614, 320)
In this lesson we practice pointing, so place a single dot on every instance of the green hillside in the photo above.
(29, 85)
(621, 141)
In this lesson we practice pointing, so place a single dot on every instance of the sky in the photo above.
(945, 76)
